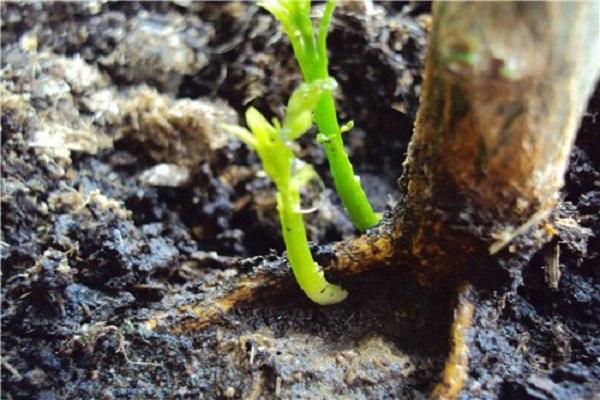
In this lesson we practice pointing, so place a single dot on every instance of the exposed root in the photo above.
(348, 257)
(90, 334)
(457, 366)
(207, 312)
(360, 254)
(257, 386)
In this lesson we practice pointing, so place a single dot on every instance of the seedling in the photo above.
(311, 53)
(270, 141)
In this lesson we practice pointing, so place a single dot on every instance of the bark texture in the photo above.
(505, 88)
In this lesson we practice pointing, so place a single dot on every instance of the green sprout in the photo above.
(311, 53)
(270, 141)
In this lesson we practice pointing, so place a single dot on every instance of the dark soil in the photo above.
(95, 243)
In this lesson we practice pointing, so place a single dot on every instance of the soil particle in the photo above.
(183, 132)
(164, 174)
(51, 95)
(159, 49)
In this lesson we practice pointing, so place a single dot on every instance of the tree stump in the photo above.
(505, 88)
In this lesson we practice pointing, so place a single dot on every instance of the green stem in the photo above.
(313, 65)
(311, 54)
(306, 270)
(346, 183)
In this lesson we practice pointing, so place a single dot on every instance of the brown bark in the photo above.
(505, 88)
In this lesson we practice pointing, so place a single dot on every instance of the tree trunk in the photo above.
(505, 87)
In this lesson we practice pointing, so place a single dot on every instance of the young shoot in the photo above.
(310, 50)
(270, 141)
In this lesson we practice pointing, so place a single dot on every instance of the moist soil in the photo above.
(122, 200)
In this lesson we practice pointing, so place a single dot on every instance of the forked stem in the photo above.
(311, 54)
